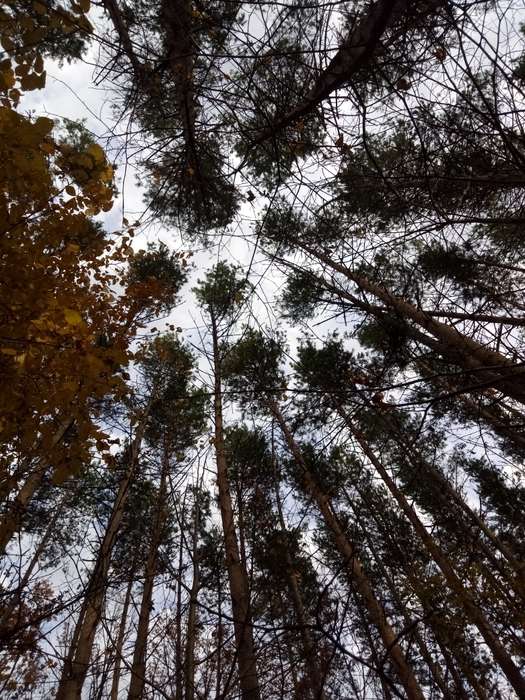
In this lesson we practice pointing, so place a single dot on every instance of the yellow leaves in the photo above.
(96, 365)
(106, 174)
(34, 37)
(20, 359)
(33, 81)
(73, 318)
(7, 79)
(97, 153)
(56, 275)
(43, 125)
(47, 148)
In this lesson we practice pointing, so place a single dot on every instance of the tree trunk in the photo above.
(488, 366)
(119, 642)
(493, 416)
(467, 602)
(238, 578)
(429, 613)
(220, 639)
(11, 521)
(353, 565)
(189, 660)
(311, 663)
(77, 661)
(138, 666)
(409, 623)
(361, 43)
(178, 622)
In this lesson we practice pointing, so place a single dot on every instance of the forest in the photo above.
(262, 359)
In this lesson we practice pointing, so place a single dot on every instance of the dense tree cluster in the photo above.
(317, 492)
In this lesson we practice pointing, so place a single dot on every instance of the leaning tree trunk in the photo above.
(238, 578)
(464, 597)
(311, 661)
(487, 368)
(76, 662)
(353, 565)
(429, 613)
(494, 416)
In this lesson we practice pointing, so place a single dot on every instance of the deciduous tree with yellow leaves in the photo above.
(65, 330)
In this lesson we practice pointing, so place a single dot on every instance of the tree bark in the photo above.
(353, 565)
(488, 366)
(138, 666)
(191, 632)
(357, 49)
(464, 597)
(311, 662)
(238, 578)
(119, 642)
(178, 621)
(76, 662)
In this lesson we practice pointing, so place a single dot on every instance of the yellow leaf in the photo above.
(70, 190)
(72, 317)
(34, 81)
(7, 79)
(84, 5)
(96, 152)
(39, 64)
(44, 125)
(8, 351)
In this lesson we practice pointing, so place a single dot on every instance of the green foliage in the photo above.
(192, 193)
(329, 367)
(506, 500)
(302, 296)
(222, 291)
(252, 367)
(248, 457)
(274, 88)
(178, 409)
(389, 335)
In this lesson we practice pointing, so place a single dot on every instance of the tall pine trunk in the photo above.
(353, 565)
(76, 662)
(238, 578)
(119, 642)
(191, 631)
(486, 367)
(138, 666)
(464, 597)
(311, 661)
